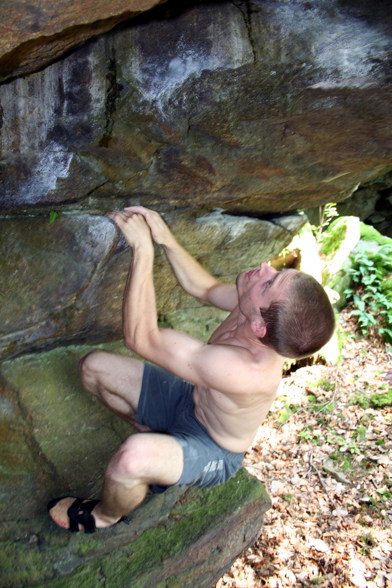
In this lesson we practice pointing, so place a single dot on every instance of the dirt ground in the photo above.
(324, 455)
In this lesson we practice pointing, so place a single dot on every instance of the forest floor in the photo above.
(324, 455)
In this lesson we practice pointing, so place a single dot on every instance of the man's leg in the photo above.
(142, 460)
(148, 458)
(115, 380)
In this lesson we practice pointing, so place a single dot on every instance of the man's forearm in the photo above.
(190, 274)
(139, 306)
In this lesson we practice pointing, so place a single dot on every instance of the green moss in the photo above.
(61, 564)
(381, 400)
(192, 518)
(369, 233)
(88, 545)
(22, 565)
(90, 576)
(333, 237)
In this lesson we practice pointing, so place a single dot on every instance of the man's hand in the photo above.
(159, 230)
(134, 228)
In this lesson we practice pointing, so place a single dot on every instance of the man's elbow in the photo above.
(203, 300)
(207, 297)
(141, 344)
(130, 343)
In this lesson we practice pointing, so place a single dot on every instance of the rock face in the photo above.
(32, 35)
(250, 106)
(66, 279)
(55, 440)
(372, 203)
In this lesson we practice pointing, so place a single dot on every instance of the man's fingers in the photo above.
(121, 214)
(138, 208)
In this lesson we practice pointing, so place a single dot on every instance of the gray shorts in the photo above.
(166, 406)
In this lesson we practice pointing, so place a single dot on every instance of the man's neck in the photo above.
(236, 330)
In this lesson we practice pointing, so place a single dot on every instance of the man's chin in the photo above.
(239, 279)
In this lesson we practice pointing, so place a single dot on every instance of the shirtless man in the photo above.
(200, 416)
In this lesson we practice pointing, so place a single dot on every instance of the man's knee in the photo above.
(89, 370)
(131, 460)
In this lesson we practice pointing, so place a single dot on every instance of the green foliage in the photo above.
(326, 384)
(366, 542)
(360, 433)
(331, 240)
(360, 399)
(53, 215)
(344, 444)
(377, 400)
(381, 400)
(290, 498)
(287, 411)
(371, 272)
(327, 212)
(309, 435)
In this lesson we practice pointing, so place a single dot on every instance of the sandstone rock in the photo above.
(56, 439)
(67, 277)
(46, 287)
(260, 107)
(32, 35)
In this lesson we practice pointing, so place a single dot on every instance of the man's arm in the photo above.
(139, 305)
(224, 367)
(190, 274)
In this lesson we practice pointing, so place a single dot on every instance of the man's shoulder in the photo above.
(256, 364)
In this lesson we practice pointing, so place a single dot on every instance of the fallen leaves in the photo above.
(324, 456)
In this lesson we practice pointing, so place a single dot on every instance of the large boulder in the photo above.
(63, 281)
(35, 34)
(256, 107)
(57, 440)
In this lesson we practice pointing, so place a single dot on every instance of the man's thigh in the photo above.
(114, 374)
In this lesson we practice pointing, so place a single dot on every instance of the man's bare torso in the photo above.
(232, 419)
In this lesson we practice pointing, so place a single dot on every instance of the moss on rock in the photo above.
(369, 233)
(192, 533)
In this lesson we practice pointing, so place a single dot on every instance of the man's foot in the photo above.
(79, 514)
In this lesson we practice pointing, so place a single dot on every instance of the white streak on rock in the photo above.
(224, 45)
(344, 47)
(54, 164)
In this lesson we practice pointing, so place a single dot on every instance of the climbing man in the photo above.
(197, 405)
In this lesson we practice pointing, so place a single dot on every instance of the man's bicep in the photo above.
(222, 367)
(223, 296)
(174, 351)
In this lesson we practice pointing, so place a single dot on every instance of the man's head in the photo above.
(296, 316)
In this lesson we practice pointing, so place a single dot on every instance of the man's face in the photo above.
(260, 287)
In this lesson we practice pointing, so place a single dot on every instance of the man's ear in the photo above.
(259, 328)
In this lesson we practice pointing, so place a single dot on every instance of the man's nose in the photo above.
(266, 268)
